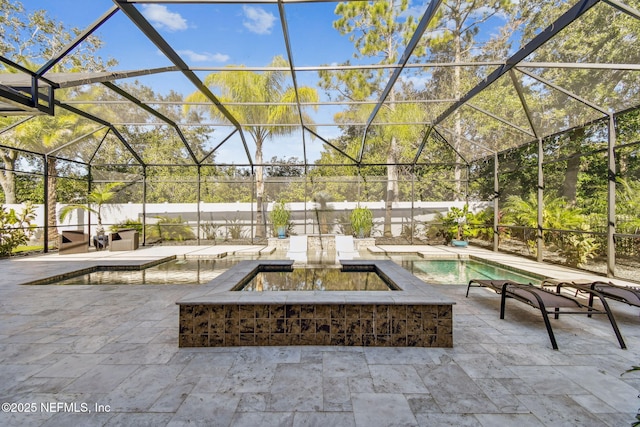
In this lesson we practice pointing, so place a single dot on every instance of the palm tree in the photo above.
(258, 88)
(98, 197)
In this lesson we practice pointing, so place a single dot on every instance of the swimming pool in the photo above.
(189, 271)
(195, 271)
(459, 272)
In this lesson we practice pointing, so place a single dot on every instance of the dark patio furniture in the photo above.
(548, 303)
(73, 242)
(123, 240)
(626, 294)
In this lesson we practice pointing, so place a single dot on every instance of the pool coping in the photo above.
(413, 290)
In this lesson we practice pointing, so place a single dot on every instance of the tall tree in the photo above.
(278, 101)
(378, 30)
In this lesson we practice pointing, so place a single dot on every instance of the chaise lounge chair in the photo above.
(547, 302)
(297, 248)
(345, 248)
(625, 294)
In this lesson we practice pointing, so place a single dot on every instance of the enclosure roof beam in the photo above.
(523, 101)
(422, 144)
(474, 143)
(634, 13)
(95, 152)
(12, 125)
(150, 32)
(332, 146)
(500, 119)
(450, 145)
(80, 138)
(155, 113)
(406, 55)
(79, 39)
(105, 123)
(564, 91)
(576, 11)
(218, 146)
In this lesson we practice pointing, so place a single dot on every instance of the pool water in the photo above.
(316, 279)
(459, 272)
(176, 272)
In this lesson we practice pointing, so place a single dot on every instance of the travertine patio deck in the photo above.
(74, 345)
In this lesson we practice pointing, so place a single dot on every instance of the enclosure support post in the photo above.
(611, 199)
(539, 236)
(46, 203)
(254, 224)
(89, 181)
(306, 197)
(496, 204)
(413, 199)
(144, 206)
(198, 203)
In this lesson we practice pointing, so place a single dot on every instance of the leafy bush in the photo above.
(169, 229)
(15, 228)
(127, 224)
(361, 219)
(236, 229)
(280, 217)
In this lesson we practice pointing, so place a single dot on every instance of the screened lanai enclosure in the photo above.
(514, 123)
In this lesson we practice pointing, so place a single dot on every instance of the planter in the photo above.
(282, 232)
(459, 243)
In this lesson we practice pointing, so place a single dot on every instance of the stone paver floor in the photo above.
(108, 356)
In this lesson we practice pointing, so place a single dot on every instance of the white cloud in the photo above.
(204, 57)
(163, 18)
(258, 20)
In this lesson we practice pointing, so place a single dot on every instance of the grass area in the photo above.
(22, 249)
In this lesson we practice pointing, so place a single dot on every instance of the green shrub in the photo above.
(169, 229)
(15, 228)
(361, 221)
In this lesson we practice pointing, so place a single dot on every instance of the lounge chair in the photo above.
(626, 294)
(345, 248)
(73, 242)
(297, 248)
(124, 240)
(548, 303)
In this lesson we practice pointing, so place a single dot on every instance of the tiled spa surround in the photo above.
(417, 315)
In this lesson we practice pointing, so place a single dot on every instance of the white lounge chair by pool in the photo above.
(345, 248)
(297, 248)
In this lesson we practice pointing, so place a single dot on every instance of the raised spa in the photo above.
(413, 314)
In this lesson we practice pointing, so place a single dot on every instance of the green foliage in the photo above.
(210, 230)
(15, 228)
(361, 219)
(99, 196)
(169, 229)
(127, 224)
(236, 229)
(578, 248)
(557, 216)
(279, 215)
(481, 224)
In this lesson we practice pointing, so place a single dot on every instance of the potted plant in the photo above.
(456, 221)
(280, 216)
(361, 221)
